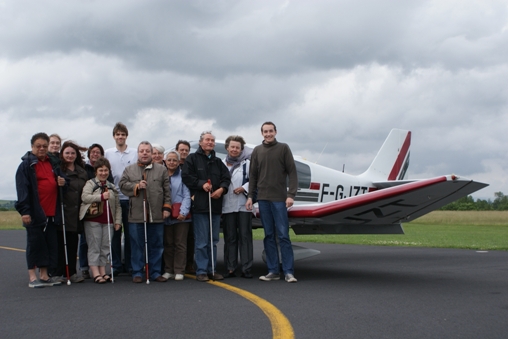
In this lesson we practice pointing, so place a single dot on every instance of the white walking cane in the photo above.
(64, 237)
(146, 237)
(109, 236)
(211, 234)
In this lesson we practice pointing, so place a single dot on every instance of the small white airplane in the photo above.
(377, 201)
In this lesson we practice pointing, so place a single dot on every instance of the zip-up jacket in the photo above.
(158, 191)
(28, 194)
(197, 169)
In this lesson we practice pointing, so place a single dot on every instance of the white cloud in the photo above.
(335, 76)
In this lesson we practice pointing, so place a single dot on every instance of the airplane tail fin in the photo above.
(392, 160)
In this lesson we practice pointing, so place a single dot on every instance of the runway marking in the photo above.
(281, 327)
(12, 249)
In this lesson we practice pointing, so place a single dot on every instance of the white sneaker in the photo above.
(179, 277)
(269, 277)
(168, 276)
(290, 278)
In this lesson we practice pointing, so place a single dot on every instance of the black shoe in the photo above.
(215, 276)
(246, 275)
(230, 274)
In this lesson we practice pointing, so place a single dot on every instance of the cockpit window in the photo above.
(303, 175)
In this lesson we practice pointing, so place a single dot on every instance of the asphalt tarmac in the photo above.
(345, 292)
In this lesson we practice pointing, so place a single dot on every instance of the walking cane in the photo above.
(146, 237)
(211, 235)
(65, 238)
(109, 236)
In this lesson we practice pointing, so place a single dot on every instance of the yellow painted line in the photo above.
(281, 327)
(12, 249)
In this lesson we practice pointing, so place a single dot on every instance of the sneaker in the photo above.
(75, 278)
(36, 284)
(270, 277)
(215, 276)
(86, 274)
(179, 277)
(160, 278)
(290, 278)
(168, 275)
(58, 278)
(202, 277)
(52, 281)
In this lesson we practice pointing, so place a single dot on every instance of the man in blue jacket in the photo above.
(204, 173)
(37, 189)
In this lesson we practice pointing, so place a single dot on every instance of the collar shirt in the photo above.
(119, 161)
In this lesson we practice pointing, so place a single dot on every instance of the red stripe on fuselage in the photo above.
(400, 159)
(323, 210)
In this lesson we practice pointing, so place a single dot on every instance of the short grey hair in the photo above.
(204, 133)
(159, 148)
(173, 152)
(144, 142)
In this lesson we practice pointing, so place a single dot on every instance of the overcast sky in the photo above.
(335, 77)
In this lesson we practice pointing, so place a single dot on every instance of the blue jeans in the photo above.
(274, 217)
(202, 241)
(116, 242)
(155, 234)
(83, 252)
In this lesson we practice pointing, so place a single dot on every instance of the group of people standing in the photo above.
(169, 205)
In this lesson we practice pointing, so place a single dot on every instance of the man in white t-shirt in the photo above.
(120, 157)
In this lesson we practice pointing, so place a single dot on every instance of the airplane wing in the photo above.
(381, 211)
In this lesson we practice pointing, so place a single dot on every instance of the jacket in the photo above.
(197, 169)
(28, 193)
(236, 202)
(179, 194)
(91, 193)
(158, 195)
(72, 199)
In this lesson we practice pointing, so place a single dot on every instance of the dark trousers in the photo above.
(237, 229)
(175, 247)
(42, 246)
(116, 242)
(83, 252)
(72, 253)
(190, 247)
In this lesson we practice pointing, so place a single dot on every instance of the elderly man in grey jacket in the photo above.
(147, 186)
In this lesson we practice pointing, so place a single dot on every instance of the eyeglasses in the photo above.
(40, 146)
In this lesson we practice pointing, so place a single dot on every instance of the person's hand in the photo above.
(166, 214)
(117, 227)
(181, 217)
(248, 204)
(26, 219)
(239, 190)
(105, 195)
(289, 202)
(142, 184)
(60, 181)
(207, 187)
(217, 193)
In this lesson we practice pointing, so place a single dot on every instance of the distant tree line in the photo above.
(7, 205)
(500, 203)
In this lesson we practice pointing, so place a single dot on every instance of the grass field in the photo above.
(479, 230)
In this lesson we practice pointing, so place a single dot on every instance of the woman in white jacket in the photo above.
(237, 221)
